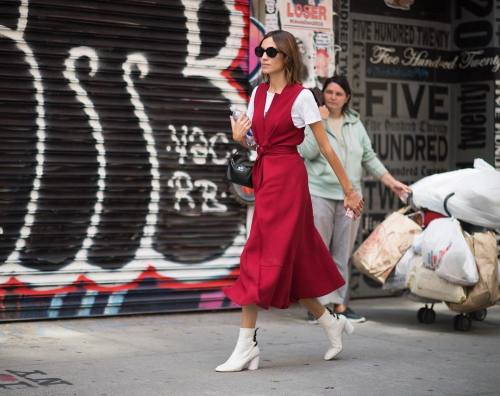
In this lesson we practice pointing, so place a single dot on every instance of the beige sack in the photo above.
(485, 292)
(498, 276)
(384, 247)
(426, 283)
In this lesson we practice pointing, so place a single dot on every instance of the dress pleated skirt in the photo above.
(284, 259)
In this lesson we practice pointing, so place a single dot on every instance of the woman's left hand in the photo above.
(398, 188)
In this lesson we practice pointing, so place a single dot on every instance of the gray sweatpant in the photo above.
(339, 234)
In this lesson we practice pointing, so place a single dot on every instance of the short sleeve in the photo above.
(251, 103)
(305, 110)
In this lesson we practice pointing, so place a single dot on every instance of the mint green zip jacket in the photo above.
(357, 155)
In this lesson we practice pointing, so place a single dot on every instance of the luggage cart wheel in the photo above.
(479, 315)
(429, 316)
(462, 323)
(420, 315)
(426, 315)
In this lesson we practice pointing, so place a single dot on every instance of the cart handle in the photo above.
(445, 203)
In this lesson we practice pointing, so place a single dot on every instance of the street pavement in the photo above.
(175, 354)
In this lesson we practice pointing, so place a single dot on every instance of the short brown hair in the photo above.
(287, 44)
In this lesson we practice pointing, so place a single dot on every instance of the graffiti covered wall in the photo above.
(114, 133)
(114, 137)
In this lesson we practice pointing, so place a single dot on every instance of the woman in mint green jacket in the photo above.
(348, 137)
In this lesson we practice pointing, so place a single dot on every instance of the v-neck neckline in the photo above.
(273, 100)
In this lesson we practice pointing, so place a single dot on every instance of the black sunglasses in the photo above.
(270, 51)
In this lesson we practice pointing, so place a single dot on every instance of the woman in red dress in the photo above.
(284, 259)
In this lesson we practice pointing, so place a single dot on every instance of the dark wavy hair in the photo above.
(286, 43)
(344, 84)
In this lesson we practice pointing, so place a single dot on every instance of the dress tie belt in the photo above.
(263, 151)
(278, 149)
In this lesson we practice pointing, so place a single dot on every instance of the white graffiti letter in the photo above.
(209, 193)
(183, 185)
(222, 138)
(139, 60)
(18, 37)
(180, 143)
(211, 67)
(200, 150)
(82, 96)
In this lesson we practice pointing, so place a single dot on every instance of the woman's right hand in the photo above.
(324, 112)
(354, 201)
(240, 128)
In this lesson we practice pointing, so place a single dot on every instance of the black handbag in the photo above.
(239, 169)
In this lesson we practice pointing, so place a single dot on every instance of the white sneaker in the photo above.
(353, 317)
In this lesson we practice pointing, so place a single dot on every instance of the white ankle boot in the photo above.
(334, 325)
(245, 354)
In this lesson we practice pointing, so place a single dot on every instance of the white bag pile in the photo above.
(475, 199)
(438, 264)
(441, 263)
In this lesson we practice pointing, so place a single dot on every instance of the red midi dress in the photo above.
(284, 258)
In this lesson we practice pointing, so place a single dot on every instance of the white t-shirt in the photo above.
(304, 112)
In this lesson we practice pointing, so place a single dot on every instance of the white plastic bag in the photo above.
(476, 194)
(445, 250)
(417, 244)
(398, 278)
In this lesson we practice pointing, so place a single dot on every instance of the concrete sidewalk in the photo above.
(391, 354)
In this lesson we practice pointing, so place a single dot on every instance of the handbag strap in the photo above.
(239, 154)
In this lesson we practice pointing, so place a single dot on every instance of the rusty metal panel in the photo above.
(114, 141)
